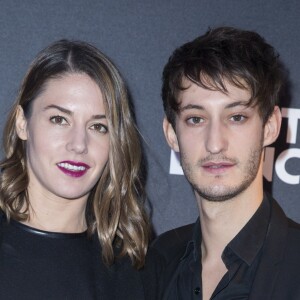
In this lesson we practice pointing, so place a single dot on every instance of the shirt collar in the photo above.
(246, 244)
(194, 244)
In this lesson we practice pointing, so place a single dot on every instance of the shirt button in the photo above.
(197, 291)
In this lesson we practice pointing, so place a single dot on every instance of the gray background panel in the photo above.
(139, 36)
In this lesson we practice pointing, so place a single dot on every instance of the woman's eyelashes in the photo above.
(62, 121)
(59, 120)
(99, 127)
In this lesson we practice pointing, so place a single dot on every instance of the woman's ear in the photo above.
(21, 123)
(170, 135)
(272, 127)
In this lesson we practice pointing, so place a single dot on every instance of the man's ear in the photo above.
(272, 127)
(170, 135)
(21, 124)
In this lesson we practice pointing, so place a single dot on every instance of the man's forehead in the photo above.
(198, 97)
(219, 84)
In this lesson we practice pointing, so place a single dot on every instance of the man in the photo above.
(220, 93)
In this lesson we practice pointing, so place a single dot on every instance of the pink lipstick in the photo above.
(72, 168)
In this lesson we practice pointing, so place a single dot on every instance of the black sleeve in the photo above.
(151, 275)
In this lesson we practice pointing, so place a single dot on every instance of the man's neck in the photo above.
(222, 221)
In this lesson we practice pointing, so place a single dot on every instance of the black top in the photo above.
(36, 264)
(241, 257)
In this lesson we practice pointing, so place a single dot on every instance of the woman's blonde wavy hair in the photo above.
(115, 207)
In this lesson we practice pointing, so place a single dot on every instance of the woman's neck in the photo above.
(57, 214)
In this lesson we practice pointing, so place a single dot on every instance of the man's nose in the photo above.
(216, 138)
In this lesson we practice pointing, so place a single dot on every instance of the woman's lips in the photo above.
(72, 168)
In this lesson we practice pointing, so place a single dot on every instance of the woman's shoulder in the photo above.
(1, 222)
(2, 217)
(151, 274)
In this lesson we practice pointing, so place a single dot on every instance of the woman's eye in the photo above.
(194, 120)
(58, 120)
(238, 118)
(99, 128)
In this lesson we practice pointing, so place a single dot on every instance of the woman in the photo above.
(72, 224)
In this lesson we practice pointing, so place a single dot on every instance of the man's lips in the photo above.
(217, 167)
(72, 168)
(217, 164)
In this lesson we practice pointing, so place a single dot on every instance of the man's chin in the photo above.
(219, 194)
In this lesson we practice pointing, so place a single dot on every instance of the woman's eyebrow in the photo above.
(69, 112)
(64, 110)
(99, 117)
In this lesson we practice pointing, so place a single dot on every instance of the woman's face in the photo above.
(67, 139)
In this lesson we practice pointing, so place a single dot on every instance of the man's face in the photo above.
(220, 140)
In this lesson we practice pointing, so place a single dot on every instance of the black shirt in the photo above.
(241, 258)
(36, 264)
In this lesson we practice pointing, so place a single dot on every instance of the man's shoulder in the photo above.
(293, 225)
(283, 229)
(172, 244)
(294, 232)
(280, 218)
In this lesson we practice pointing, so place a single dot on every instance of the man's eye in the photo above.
(238, 118)
(99, 128)
(195, 120)
(58, 120)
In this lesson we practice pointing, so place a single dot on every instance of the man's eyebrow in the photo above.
(191, 106)
(68, 112)
(200, 107)
(238, 103)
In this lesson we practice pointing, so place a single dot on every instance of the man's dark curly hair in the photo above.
(239, 57)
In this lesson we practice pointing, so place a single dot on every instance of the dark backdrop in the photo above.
(139, 36)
